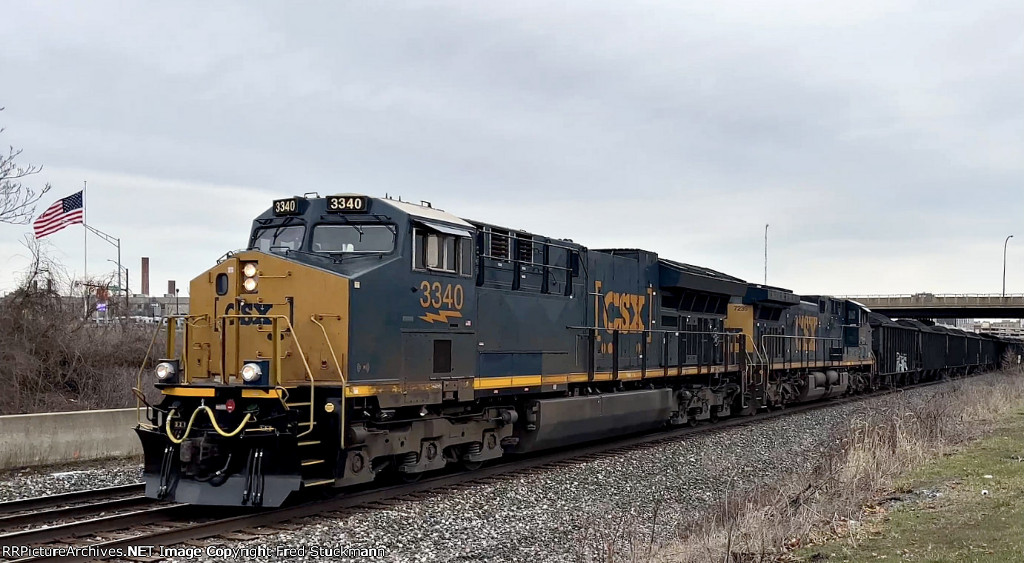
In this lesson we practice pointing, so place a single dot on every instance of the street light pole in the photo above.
(1005, 242)
(124, 288)
(176, 290)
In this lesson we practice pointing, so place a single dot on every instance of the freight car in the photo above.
(358, 337)
(908, 351)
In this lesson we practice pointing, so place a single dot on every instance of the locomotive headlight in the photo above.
(251, 372)
(164, 370)
(249, 270)
(249, 284)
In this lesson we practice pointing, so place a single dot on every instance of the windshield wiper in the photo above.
(355, 252)
(314, 254)
(339, 255)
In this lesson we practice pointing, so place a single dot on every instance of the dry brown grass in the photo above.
(865, 461)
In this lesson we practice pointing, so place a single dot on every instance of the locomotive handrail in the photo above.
(794, 337)
(677, 332)
(341, 374)
(330, 347)
(275, 329)
(728, 335)
(138, 377)
(171, 335)
(671, 331)
(190, 321)
(509, 236)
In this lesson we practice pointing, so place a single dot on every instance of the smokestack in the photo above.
(170, 287)
(145, 275)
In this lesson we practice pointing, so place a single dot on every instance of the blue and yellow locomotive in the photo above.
(358, 337)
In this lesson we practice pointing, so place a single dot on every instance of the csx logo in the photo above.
(624, 311)
(261, 309)
(807, 325)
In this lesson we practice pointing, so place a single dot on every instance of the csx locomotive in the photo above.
(358, 337)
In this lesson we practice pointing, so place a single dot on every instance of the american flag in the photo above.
(64, 212)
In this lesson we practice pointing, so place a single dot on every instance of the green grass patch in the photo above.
(968, 506)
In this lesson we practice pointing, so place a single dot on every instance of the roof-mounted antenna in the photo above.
(425, 203)
(314, 194)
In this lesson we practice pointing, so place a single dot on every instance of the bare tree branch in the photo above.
(17, 201)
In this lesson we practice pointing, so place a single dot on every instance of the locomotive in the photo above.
(358, 337)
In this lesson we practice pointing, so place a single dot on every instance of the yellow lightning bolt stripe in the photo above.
(442, 316)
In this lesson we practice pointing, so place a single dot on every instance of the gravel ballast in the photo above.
(65, 478)
(576, 512)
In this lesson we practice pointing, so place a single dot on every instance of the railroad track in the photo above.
(13, 508)
(160, 524)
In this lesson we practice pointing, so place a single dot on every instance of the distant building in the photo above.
(148, 306)
(962, 324)
(1007, 329)
(140, 307)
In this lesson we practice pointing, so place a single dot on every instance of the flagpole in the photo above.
(85, 254)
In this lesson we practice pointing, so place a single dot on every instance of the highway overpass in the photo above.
(945, 306)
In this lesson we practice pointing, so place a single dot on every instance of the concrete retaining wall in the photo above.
(45, 438)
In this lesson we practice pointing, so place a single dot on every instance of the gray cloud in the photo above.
(881, 140)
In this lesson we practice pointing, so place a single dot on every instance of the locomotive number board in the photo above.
(348, 204)
(288, 206)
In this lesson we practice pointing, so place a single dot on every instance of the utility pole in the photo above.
(85, 250)
(1005, 242)
(766, 253)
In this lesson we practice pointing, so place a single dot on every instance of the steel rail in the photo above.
(124, 520)
(44, 502)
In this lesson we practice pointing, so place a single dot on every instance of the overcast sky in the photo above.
(883, 141)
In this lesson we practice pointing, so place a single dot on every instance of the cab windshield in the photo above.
(278, 239)
(332, 239)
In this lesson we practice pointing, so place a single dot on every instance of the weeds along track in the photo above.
(110, 521)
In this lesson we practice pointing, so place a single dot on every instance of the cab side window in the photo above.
(442, 252)
(419, 244)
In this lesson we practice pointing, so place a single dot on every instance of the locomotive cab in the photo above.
(287, 339)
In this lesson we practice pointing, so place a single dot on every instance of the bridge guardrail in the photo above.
(941, 300)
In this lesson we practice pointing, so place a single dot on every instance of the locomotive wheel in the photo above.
(410, 477)
(470, 466)
(692, 422)
(714, 415)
